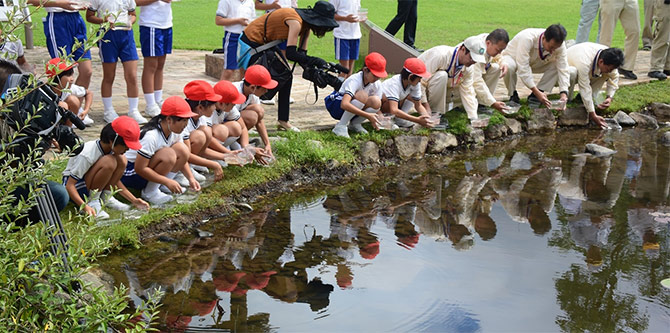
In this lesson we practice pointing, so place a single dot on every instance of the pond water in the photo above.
(524, 235)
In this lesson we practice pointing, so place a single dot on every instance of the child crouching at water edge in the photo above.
(162, 155)
(402, 93)
(100, 165)
(359, 98)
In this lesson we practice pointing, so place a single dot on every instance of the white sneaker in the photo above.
(341, 130)
(156, 197)
(114, 203)
(199, 177)
(135, 114)
(160, 103)
(166, 190)
(199, 168)
(97, 206)
(88, 121)
(181, 179)
(152, 110)
(358, 128)
(268, 101)
(109, 115)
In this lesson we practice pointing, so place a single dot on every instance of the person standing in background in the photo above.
(588, 16)
(406, 15)
(347, 36)
(660, 45)
(647, 31)
(628, 12)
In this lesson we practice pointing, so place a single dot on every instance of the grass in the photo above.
(439, 22)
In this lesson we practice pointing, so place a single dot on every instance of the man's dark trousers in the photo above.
(406, 14)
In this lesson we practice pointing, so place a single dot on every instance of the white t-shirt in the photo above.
(117, 8)
(77, 166)
(347, 30)
(11, 51)
(394, 91)
(282, 3)
(221, 117)
(251, 99)
(152, 141)
(156, 15)
(194, 125)
(354, 83)
(236, 9)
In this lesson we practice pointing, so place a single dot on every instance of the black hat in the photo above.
(322, 15)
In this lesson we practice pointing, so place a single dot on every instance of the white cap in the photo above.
(477, 48)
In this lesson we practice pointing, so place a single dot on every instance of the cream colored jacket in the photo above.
(582, 57)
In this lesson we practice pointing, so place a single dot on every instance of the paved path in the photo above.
(183, 66)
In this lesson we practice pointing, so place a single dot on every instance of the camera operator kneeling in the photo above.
(265, 33)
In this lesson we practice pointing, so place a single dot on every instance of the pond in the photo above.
(524, 235)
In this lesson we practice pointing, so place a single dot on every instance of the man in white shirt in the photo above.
(594, 64)
(537, 51)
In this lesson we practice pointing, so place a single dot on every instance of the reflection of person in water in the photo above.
(590, 233)
(647, 222)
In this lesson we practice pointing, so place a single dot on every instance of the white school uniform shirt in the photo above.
(393, 90)
(582, 56)
(11, 51)
(354, 83)
(524, 48)
(103, 8)
(347, 30)
(444, 58)
(77, 166)
(194, 125)
(481, 89)
(251, 99)
(236, 9)
(282, 3)
(152, 141)
(156, 15)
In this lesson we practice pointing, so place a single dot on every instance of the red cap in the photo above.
(258, 75)
(199, 90)
(409, 241)
(177, 106)
(229, 93)
(370, 251)
(56, 66)
(129, 130)
(376, 63)
(259, 281)
(416, 67)
(228, 282)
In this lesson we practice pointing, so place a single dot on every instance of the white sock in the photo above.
(171, 175)
(81, 110)
(133, 102)
(151, 187)
(149, 98)
(158, 95)
(346, 117)
(107, 103)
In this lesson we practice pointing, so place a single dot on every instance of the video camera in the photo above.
(37, 116)
(322, 78)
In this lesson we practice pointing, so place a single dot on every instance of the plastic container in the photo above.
(435, 118)
(510, 109)
(385, 122)
(244, 157)
(362, 14)
(558, 104)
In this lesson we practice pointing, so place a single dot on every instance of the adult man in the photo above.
(660, 45)
(591, 65)
(406, 15)
(647, 30)
(486, 75)
(452, 76)
(537, 51)
(629, 13)
(588, 14)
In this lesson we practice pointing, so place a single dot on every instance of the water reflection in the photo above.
(531, 234)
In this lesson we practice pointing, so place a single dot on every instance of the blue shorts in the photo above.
(118, 44)
(334, 105)
(155, 42)
(230, 42)
(60, 30)
(347, 49)
(131, 179)
(80, 186)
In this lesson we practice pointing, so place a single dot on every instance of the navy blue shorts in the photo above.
(118, 44)
(333, 105)
(80, 186)
(155, 42)
(346, 49)
(60, 30)
(131, 179)
(230, 42)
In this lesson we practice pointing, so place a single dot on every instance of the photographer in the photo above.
(287, 24)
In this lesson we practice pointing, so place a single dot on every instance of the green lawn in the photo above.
(440, 21)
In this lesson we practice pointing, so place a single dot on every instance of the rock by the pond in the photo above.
(624, 119)
(574, 117)
(495, 131)
(411, 146)
(476, 136)
(520, 161)
(513, 125)
(612, 123)
(316, 143)
(439, 141)
(369, 152)
(598, 151)
(665, 138)
(257, 142)
(644, 121)
(542, 120)
(201, 233)
(660, 110)
(243, 206)
(274, 139)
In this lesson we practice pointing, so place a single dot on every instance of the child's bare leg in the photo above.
(99, 175)
(85, 71)
(149, 74)
(158, 76)
(163, 161)
(182, 153)
(130, 74)
(198, 141)
(108, 75)
(118, 172)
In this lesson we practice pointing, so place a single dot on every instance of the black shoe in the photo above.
(533, 102)
(577, 99)
(657, 75)
(515, 98)
(417, 49)
(482, 109)
(627, 74)
(666, 72)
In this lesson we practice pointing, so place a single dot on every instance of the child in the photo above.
(100, 165)
(234, 15)
(348, 35)
(359, 98)
(118, 43)
(12, 51)
(402, 92)
(163, 154)
(156, 43)
(62, 74)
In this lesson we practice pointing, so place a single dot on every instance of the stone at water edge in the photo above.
(665, 139)
(476, 135)
(624, 119)
(496, 131)
(201, 233)
(613, 124)
(644, 121)
(666, 283)
(599, 151)
(439, 141)
(513, 125)
(541, 120)
(574, 117)
(410, 146)
(369, 152)
(660, 110)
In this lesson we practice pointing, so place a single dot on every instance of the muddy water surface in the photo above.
(525, 235)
